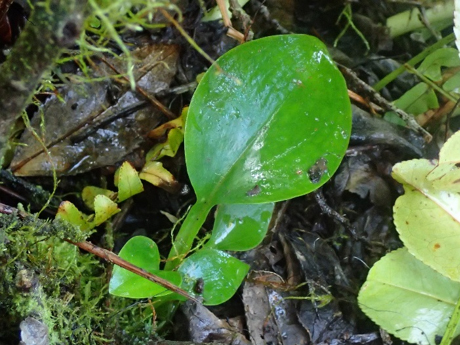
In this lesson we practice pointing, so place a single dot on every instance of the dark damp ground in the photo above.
(327, 240)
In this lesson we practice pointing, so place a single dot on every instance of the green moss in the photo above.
(44, 277)
(41, 275)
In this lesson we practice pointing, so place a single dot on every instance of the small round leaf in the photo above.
(142, 252)
(240, 227)
(222, 274)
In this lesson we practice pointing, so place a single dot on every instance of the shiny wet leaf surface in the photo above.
(271, 124)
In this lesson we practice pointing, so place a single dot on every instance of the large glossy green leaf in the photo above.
(270, 123)
(428, 219)
(240, 227)
(142, 252)
(408, 298)
(221, 273)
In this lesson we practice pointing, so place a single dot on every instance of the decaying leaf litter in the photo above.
(306, 274)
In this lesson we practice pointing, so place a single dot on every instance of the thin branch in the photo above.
(51, 28)
(382, 102)
(111, 257)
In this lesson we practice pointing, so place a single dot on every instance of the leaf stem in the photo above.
(452, 325)
(187, 233)
(431, 84)
(412, 62)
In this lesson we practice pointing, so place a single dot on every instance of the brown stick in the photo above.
(228, 23)
(381, 101)
(111, 257)
(151, 99)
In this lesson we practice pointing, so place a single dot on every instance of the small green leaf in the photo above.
(392, 117)
(418, 100)
(452, 84)
(432, 64)
(142, 252)
(90, 192)
(128, 182)
(104, 209)
(240, 227)
(70, 213)
(409, 299)
(271, 124)
(222, 274)
(94, 22)
(428, 219)
(130, 285)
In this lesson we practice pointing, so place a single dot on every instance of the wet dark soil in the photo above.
(330, 237)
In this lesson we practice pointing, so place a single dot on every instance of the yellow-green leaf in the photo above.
(178, 123)
(428, 219)
(156, 174)
(90, 192)
(408, 299)
(168, 148)
(128, 182)
(104, 209)
(446, 175)
(72, 214)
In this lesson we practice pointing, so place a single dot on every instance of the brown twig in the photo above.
(381, 101)
(150, 98)
(111, 257)
(228, 23)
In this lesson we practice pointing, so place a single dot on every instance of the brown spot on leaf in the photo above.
(318, 170)
(436, 246)
(254, 191)
(199, 286)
